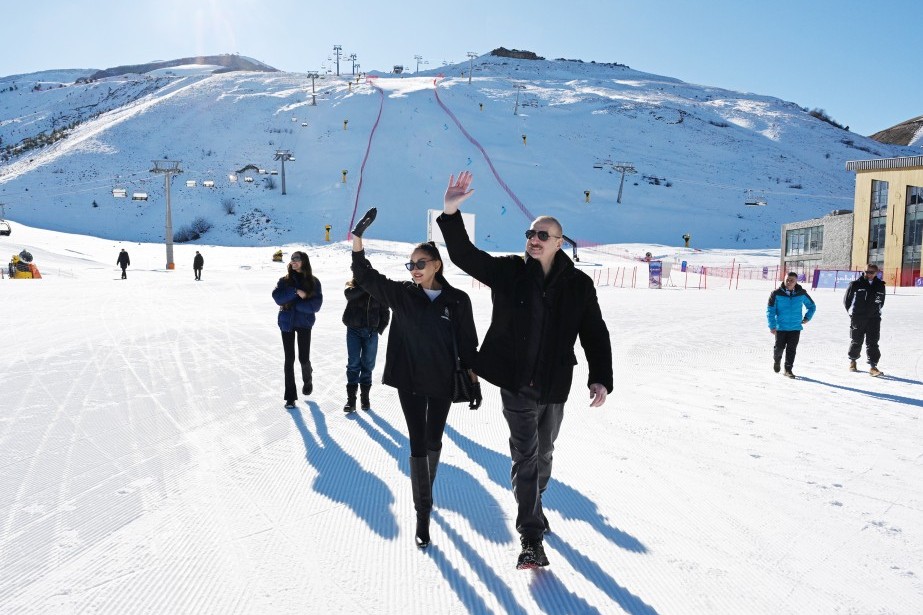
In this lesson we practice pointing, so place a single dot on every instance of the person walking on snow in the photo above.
(541, 304)
(123, 261)
(431, 319)
(197, 263)
(365, 318)
(299, 297)
(786, 320)
(864, 301)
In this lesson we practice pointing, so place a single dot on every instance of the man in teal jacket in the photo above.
(786, 320)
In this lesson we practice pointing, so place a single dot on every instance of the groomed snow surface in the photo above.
(148, 464)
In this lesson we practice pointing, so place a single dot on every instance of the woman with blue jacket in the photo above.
(786, 320)
(299, 297)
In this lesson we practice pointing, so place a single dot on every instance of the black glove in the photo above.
(476, 397)
(364, 223)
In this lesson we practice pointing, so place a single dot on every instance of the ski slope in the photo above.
(149, 466)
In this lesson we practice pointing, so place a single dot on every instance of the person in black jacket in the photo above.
(430, 319)
(864, 300)
(365, 318)
(541, 305)
(197, 263)
(299, 297)
(123, 261)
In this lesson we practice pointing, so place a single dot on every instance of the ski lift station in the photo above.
(754, 200)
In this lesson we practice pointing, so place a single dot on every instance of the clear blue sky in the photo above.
(859, 61)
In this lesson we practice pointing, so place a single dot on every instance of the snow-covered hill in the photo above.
(699, 152)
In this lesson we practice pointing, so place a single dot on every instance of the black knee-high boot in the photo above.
(433, 458)
(422, 497)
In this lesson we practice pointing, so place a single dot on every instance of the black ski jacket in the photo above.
(865, 299)
(563, 307)
(420, 357)
(364, 311)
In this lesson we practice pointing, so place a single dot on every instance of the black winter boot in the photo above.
(306, 372)
(364, 396)
(433, 458)
(422, 498)
(350, 398)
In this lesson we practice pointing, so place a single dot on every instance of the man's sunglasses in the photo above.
(542, 235)
(420, 264)
(871, 273)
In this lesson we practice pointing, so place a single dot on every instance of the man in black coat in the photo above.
(197, 263)
(123, 261)
(541, 305)
(864, 300)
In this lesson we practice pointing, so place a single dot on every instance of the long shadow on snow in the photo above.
(343, 480)
(454, 488)
(457, 490)
(549, 597)
(883, 396)
(561, 497)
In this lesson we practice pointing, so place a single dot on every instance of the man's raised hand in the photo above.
(457, 192)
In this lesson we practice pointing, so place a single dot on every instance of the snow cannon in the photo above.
(21, 267)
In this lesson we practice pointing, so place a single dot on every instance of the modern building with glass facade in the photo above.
(888, 218)
(819, 243)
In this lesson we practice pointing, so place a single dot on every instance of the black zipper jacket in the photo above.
(535, 321)
(420, 357)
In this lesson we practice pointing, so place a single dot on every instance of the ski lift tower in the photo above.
(169, 169)
(283, 155)
(471, 57)
(623, 168)
(313, 74)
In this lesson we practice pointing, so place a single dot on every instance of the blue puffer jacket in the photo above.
(784, 309)
(295, 312)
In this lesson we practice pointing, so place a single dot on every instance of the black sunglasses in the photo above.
(542, 235)
(871, 273)
(420, 264)
(296, 259)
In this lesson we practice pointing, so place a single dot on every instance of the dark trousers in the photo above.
(533, 429)
(868, 329)
(361, 349)
(304, 358)
(198, 273)
(787, 342)
(425, 417)
(124, 275)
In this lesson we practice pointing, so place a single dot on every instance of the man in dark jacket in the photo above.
(541, 304)
(864, 300)
(365, 318)
(197, 263)
(123, 262)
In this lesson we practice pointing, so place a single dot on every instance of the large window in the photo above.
(913, 236)
(879, 195)
(878, 222)
(804, 241)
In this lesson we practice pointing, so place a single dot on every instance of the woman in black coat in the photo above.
(430, 318)
(299, 297)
